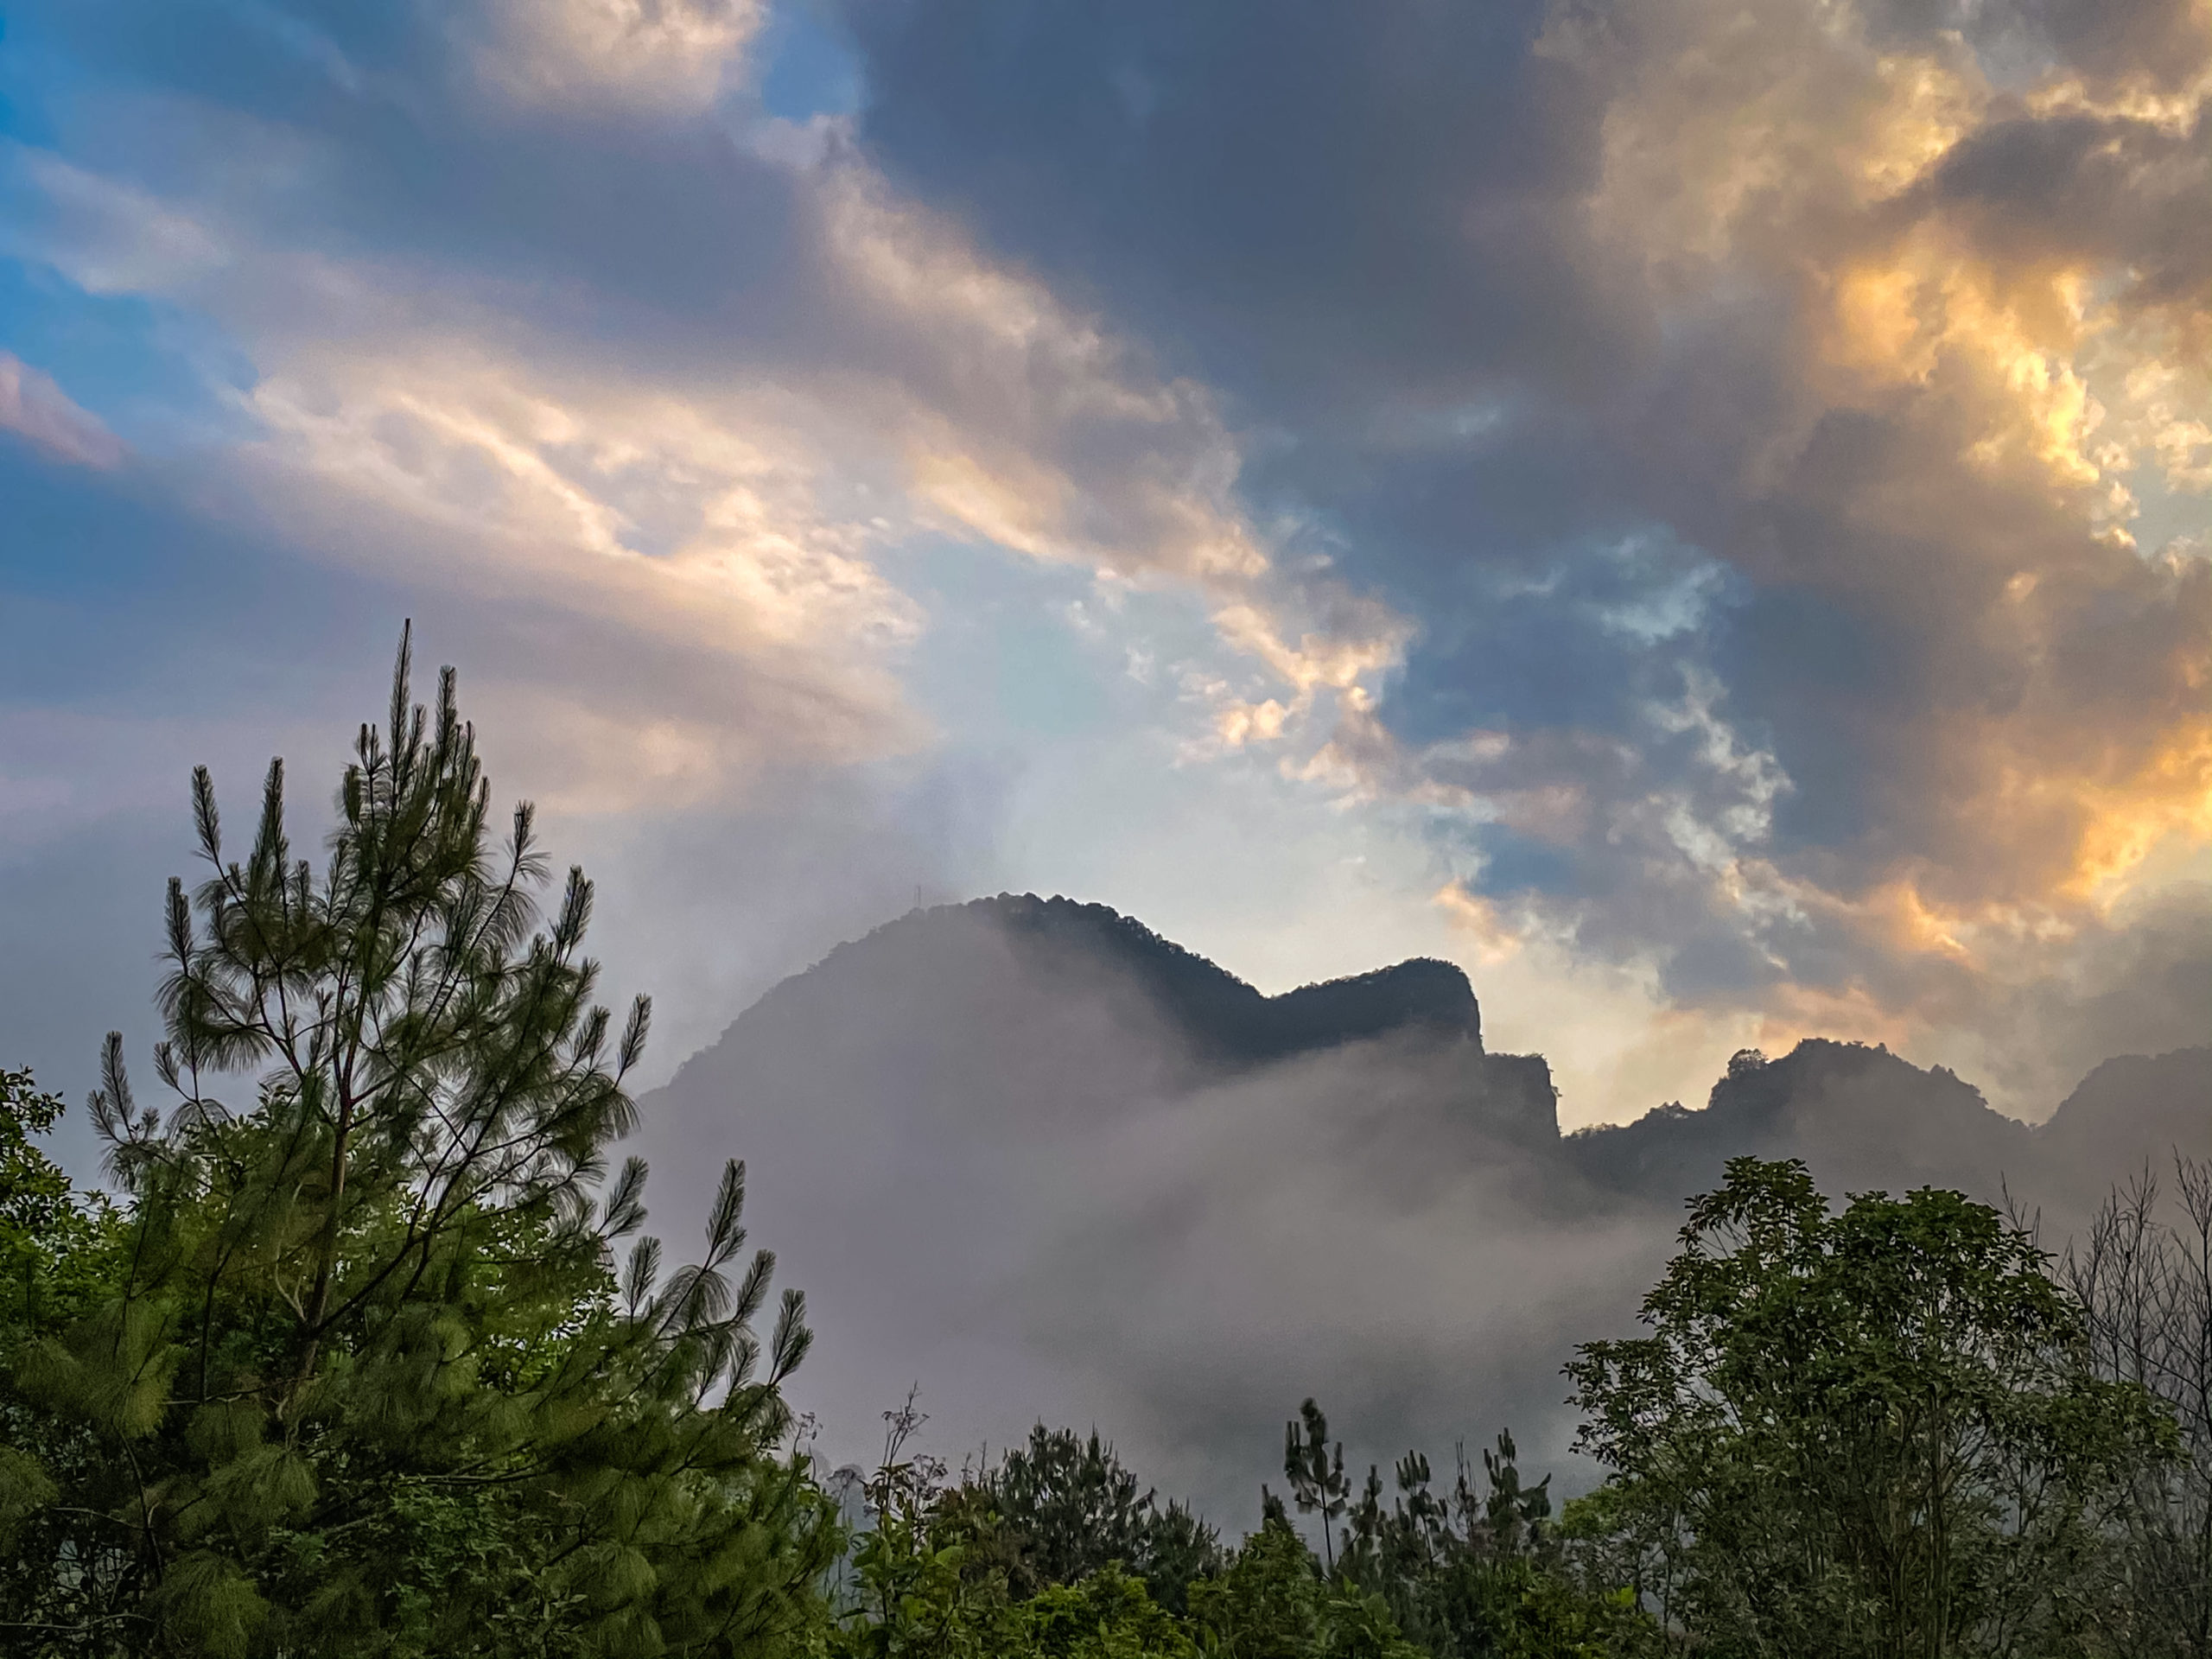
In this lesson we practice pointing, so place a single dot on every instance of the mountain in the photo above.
(1861, 1116)
(2137, 1107)
(1227, 1023)
(1035, 1157)
(1022, 978)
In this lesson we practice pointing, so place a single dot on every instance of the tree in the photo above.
(909, 1587)
(1480, 1570)
(933, 1575)
(1272, 1602)
(365, 1378)
(45, 1225)
(1070, 1507)
(2145, 1285)
(56, 1250)
(1316, 1474)
(1106, 1614)
(1869, 1432)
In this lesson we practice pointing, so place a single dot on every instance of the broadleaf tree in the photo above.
(1868, 1431)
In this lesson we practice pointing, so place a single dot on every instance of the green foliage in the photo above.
(1480, 1569)
(48, 1231)
(56, 1250)
(940, 1573)
(1273, 1602)
(1316, 1473)
(947, 1571)
(1267, 1605)
(360, 1374)
(1106, 1615)
(1069, 1508)
(1866, 1433)
(34, 1194)
(915, 1583)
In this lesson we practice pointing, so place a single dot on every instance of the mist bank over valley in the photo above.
(1043, 1162)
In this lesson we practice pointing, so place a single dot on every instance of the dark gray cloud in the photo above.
(2126, 192)
(1735, 398)
(1260, 177)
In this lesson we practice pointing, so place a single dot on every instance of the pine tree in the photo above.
(1068, 1507)
(365, 1378)
(1316, 1476)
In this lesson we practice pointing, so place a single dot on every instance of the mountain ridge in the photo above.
(1861, 1114)
(1227, 1014)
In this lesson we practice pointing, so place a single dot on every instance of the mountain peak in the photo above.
(1228, 1022)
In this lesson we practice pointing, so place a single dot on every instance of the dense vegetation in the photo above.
(370, 1361)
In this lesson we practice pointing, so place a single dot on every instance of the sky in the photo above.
(1699, 510)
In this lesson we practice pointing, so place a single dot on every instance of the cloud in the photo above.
(675, 54)
(701, 401)
(1735, 476)
(1785, 423)
(35, 408)
(692, 537)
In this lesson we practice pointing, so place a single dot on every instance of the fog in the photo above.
(1011, 1167)
(1008, 1177)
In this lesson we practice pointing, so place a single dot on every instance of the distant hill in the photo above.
(1862, 1117)
(2133, 1106)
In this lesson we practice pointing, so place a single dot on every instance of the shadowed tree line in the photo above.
(371, 1356)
